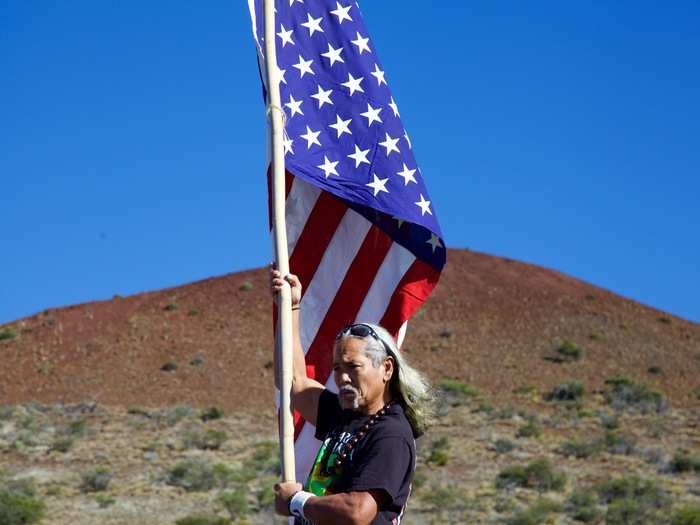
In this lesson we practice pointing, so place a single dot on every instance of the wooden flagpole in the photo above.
(283, 342)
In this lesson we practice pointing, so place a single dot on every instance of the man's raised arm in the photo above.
(305, 391)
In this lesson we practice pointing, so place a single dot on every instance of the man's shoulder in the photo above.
(395, 425)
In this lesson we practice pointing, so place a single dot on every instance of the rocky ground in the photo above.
(617, 456)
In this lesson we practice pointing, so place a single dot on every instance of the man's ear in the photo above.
(388, 368)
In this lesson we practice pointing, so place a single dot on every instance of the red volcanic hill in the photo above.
(492, 322)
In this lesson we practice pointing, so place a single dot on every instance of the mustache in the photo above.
(348, 388)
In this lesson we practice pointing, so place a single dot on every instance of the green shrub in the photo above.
(178, 413)
(630, 512)
(196, 475)
(20, 507)
(688, 515)
(439, 451)
(203, 519)
(211, 413)
(458, 388)
(570, 391)
(62, 444)
(625, 393)
(170, 307)
(581, 506)
(579, 449)
(635, 488)
(683, 461)
(193, 476)
(235, 502)
(447, 498)
(96, 479)
(538, 474)
(569, 351)
(535, 514)
(616, 443)
(503, 446)
(266, 496)
(8, 333)
(530, 429)
(104, 501)
(246, 286)
(265, 459)
(169, 367)
(609, 421)
(204, 440)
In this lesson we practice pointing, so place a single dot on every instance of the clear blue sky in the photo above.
(563, 134)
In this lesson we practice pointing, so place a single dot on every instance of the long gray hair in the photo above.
(408, 386)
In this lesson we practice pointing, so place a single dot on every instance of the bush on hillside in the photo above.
(539, 475)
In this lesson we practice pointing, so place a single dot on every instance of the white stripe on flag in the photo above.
(329, 275)
(300, 201)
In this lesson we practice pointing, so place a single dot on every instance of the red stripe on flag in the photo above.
(345, 306)
(412, 291)
(314, 240)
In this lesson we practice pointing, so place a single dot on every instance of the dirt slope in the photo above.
(492, 322)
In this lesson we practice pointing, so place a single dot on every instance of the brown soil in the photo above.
(492, 322)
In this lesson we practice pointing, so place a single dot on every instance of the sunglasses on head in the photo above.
(364, 330)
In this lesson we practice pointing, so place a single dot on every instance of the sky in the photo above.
(563, 134)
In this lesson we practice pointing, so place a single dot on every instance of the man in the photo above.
(363, 470)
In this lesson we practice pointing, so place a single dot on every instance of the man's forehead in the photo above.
(349, 349)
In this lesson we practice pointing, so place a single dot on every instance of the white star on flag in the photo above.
(323, 97)
(280, 75)
(434, 241)
(361, 43)
(372, 115)
(285, 35)
(313, 24)
(341, 126)
(394, 107)
(378, 184)
(288, 145)
(304, 66)
(311, 137)
(342, 13)
(294, 105)
(407, 175)
(292, 1)
(353, 84)
(378, 74)
(328, 167)
(424, 205)
(333, 55)
(405, 135)
(390, 145)
(359, 156)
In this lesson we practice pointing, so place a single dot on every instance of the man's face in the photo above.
(360, 384)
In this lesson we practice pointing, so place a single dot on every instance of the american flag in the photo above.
(362, 231)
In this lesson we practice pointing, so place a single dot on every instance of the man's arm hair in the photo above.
(346, 508)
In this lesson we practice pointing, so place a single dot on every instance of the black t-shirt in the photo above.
(383, 460)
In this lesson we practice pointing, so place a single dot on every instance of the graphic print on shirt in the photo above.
(324, 473)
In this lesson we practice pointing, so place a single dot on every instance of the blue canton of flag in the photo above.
(343, 131)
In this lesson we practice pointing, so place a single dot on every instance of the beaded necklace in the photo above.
(352, 443)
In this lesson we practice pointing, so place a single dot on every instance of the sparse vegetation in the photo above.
(95, 480)
(569, 391)
(235, 502)
(569, 351)
(683, 461)
(198, 475)
(170, 307)
(687, 515)
(503, 446)
(539, 475)
(531, 429)
(625, 393)
(458, 388)
(8, 333)
(196, 437)
(439, 450)
(19, 503)
(103, 501)
(211, 413)
(170, 366)
(581, 506)
(579, 449)
(246, 286)
(203, 519)
(536, 514)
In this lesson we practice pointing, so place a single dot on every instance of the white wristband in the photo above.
(296, 504)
